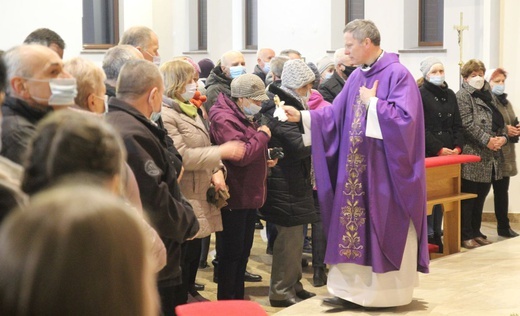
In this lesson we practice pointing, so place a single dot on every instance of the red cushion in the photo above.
(221, 308)
(449, 160)
(433, 248)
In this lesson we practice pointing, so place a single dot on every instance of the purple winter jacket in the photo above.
(246, 178)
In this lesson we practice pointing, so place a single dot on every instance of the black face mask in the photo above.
(348, 70)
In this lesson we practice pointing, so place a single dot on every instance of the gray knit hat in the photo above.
(248, 86)
(296, 74)
(427, 64)
(324, 63)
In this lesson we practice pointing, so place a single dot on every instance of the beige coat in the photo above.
(200, 160)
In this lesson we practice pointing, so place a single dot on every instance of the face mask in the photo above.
(236, 71)
(498, 89)
(476, 82)
(63, 91)
(105, 102)
(190, 91)
(267, 67)
(155, 116)
(436, 80)
(155, 59)
(251, 109)
(348, 70)
(328, 75)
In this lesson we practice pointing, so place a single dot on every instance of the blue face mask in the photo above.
(236, 71)
(437, 80)
(498, 89)
(251, 109)
(328, 75)
(155, 116)
(267, 67)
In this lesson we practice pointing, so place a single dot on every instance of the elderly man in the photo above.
(232, 64)
(343, 67)
(370, 178)
(133, 113)
(263, 59)
(10, 173)
(114, 60)
(47, 38)
(145, 40)
(36, 82)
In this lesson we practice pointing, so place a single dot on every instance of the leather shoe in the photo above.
(339, 302)
(508, 232)
(250, 277)
(282, 303)
(196, 287)
(320, 277)
(303, 294)
(470, 244)
(482, 241)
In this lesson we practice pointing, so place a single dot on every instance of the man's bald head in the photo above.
(136, 78)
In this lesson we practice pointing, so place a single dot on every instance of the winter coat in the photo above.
(19, 127)
(332, 87)
(442, 121)
(247, 177)
(477, 122)
(216, 83)
(289, 189)
(152, 163)
(200, 160)
(259, 72)
(505, 107)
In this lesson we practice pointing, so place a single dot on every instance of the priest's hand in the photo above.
(293, 115)
(365, 94)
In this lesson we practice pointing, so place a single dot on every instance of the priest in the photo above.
(368, 153)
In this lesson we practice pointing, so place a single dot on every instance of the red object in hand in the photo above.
(198, 99)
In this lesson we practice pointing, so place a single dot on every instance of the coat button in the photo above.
(439, 133)
(436, 99)
(440, 114)
(449, 114)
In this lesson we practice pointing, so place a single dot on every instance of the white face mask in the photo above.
(155, 59)
(191, 88)
(63, 91)
(476, 82)
(105, 102)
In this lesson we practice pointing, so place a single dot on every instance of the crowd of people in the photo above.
(113, 178)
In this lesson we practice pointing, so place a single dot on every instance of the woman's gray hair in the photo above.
(361, 29)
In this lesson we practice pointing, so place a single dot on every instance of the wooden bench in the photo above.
(443, 187)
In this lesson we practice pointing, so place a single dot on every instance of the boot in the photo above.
(320, 277)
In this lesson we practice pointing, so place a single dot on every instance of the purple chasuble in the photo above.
(370, 189)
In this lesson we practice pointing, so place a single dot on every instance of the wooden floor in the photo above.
(482, 281)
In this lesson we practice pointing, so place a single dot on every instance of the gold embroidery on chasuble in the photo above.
(353, 214)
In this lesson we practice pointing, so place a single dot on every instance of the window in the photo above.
(203, 25)
(431, 21)
(100, 23)
(355, 9)
(251, 24)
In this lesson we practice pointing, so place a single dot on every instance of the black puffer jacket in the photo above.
(442, 121)
(289, 190)
(332, 87)
(216, 83)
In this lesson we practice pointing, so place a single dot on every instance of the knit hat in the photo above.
(205, 67)
(316, 82)
(296, 74)
(324, 63)
(248, 86)
(427, 64)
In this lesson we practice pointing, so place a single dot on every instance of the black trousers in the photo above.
(170, 297)
(501, 193)
(319, 240)
(471, 210)
(234, 246)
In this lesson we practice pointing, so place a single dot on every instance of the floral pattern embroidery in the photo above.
(353, 214)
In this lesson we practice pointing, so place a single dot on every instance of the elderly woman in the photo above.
(231, 120)
(484, 135)
(289, 203)
(496, 79)
(443, 128)
(90, 81)
(201, 161)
